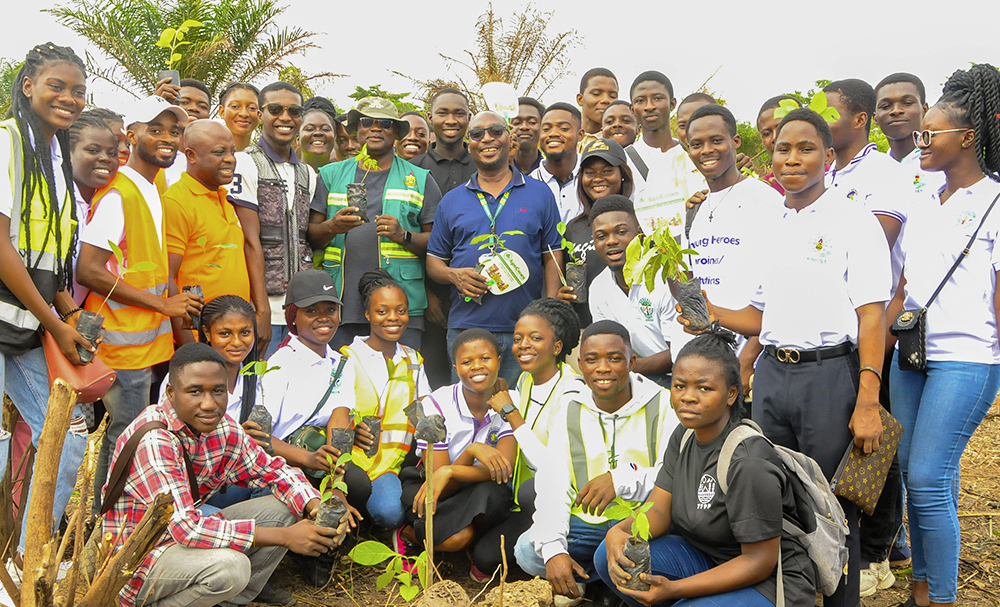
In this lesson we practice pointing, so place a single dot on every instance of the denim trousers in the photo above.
(509, 369)
(25, 379)
(939, 409)
(128, 396)
(673, 558)
(385, 504)
(582, 542)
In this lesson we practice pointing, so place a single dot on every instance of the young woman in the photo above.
(36, 266)
(474, 465)
(316, 136)
(941, 406)
(603, 171)
(547, 330)
(239, 109)
(417, 138)
(722, 549)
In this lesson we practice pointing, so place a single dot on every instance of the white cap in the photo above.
(147, 109)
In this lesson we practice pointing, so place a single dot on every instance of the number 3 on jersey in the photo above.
(236, 187)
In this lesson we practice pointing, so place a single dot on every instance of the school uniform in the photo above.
(924, 183)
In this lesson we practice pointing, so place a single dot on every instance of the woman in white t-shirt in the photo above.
(941, 405)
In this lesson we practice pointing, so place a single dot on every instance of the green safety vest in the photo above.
(403, 198)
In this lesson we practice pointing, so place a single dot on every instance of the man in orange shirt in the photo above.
(204, 237)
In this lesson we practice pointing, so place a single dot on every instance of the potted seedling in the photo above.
(637, 546)
(173, 39)
(357, 193)
(374, 422)
(342, 439)
(371, 553)
(576, 267)
(331, 507)
(431, 430)
(258, 413)
(660, 253)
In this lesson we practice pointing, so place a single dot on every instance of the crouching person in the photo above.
(206, 559)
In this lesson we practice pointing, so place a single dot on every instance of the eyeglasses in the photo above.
(383, 123)
(495, 131)
(276, 109)
(924, 137)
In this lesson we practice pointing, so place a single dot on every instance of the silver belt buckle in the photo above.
(788, 355)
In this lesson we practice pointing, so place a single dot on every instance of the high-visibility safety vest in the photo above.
(396, 438)
(18, 326)
(403, 198)
(134, 337)
(628, 440)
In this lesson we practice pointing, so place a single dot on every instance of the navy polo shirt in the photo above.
(460, 217)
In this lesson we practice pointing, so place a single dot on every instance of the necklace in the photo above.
(711, 213)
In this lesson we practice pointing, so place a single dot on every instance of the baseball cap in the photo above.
(608, 150)
(148, 108)
(310, 286)
(376, 107)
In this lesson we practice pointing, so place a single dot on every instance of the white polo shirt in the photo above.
(961, 322)
(566, 195)
(660, 198)
(825, 261)
(924, 183)
(462, 427)
(649, 317)
(292, 392)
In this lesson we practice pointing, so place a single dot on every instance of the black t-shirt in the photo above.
(759, 496)
(578, 232)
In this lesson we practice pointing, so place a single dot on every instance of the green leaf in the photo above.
(180, 35)
(830, 114)
(561, 228)
(408, 592)
(405, 577)
(224, 245)
(643, 509)
(324, 483)
(180, 44)
(175, 58)
(166, 38)
(689, 252)
(485, 246)
(341, 486)
(633, 252)
(640, 527)
(481, 238)
(118, 253)
(344, 458)
(213, 265)
(619, 512)
(789, 104)
(189, 23)
(818, 103)
(650, 274)
(397, 564)
(383, 580)
(142, 266)
(201, 241)
(421, 562)
(512, 233)
(370, 553)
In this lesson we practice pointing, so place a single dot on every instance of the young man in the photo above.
(271, 191)
(649, 317)
(402, 200)
(766, 126)
(192, 95)
(129, 213)
(664, 176)
(527, 128)
(900, 105)
(612, 447)
(345, 145)
(619, 123)
(560, 135)
(820, 314)
(686, 108)
(204, 237)
(497, 199)
(598, 89)
(202, 559)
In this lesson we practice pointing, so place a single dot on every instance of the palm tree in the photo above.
(239, 40)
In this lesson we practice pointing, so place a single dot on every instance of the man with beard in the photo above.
(619, 123)
(527, 128)
(129, 213)
(561, 132)
(401, 202)
(519, 218)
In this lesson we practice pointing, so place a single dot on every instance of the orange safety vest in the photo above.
(134, 337)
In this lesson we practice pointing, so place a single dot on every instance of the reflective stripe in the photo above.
(126, 338)
(577, 451)
(158, 291)
(652, 426)
(336, 200)
(391, 249)
(14, 315)
(411, 196)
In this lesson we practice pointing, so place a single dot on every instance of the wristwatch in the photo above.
(507, 410)
(407, 236)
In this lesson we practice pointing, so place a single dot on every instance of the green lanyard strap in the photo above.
(493, 216)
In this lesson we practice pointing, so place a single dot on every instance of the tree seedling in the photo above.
(258, 414)
(222, 245)
(817, 104)
(644, 257)
(371, 553)
(637, 546)
(142, 266)
(173, 38)
(366, 162)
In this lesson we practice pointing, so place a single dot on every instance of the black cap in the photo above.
(311, 286)
(607, 149)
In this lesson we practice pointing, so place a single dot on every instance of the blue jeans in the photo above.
(25, 378)
(509, 369)
(673, 558)
(582, 542)
(385, 504)
(128, 396)
(939, 409)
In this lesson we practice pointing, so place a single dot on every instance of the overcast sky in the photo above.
(763, 49)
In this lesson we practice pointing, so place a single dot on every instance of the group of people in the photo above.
(557, 400)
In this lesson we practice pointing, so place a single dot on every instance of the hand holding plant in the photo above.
(173, 39)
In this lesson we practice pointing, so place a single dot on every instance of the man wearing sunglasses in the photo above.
(515, 216)
(271, 191)
(390, 233)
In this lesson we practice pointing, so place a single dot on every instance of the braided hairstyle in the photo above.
(374, 280)
(219, 308)
(561, 317)
(971, 98)
(719, 345)
(36, 158)
(87, 120)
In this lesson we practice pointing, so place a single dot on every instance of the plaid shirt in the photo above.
(222, 457)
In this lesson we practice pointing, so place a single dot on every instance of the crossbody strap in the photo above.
(640, 164)
(329, 389)
(963, 254)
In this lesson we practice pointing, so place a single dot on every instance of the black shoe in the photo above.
(272, 595)
(602, 596)
(315, 571)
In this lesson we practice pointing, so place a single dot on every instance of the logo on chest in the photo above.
(819, 249)
(646, 307)
(965, 217)
(706, 492)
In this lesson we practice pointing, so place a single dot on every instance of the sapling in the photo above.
(660, 253)
(331, 508)
(396, 373)
(637, 546)
(817, 104)
(258, 413)
(371, 553)
(357, 193)
(173, 39)
(576, 268)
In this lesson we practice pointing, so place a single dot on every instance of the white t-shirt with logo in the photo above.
(660, 198)
(649, 317)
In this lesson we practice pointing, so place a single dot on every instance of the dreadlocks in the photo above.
(37, 159)
(971, 98)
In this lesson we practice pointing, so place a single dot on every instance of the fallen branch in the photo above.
(973, 514)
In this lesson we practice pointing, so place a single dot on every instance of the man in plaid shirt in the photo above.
(226, 557)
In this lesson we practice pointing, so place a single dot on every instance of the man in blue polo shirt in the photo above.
(521, 215)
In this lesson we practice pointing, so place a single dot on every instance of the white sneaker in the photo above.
(877, 577)
(565, 601)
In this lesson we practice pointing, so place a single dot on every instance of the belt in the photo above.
(794, 355)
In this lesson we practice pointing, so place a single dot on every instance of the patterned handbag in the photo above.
(860, 478)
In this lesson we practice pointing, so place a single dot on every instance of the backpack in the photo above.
(825, 526)
(643, 169)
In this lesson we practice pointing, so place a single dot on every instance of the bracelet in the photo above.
(70, 313)
(873, 370)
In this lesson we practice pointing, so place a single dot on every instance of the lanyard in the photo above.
(493, 217)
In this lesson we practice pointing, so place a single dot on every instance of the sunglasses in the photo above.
(924, 137)
(276, 109)
(383, 123)
(495, 131)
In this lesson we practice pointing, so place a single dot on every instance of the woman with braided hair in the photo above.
(38, 210)
(941, 405)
